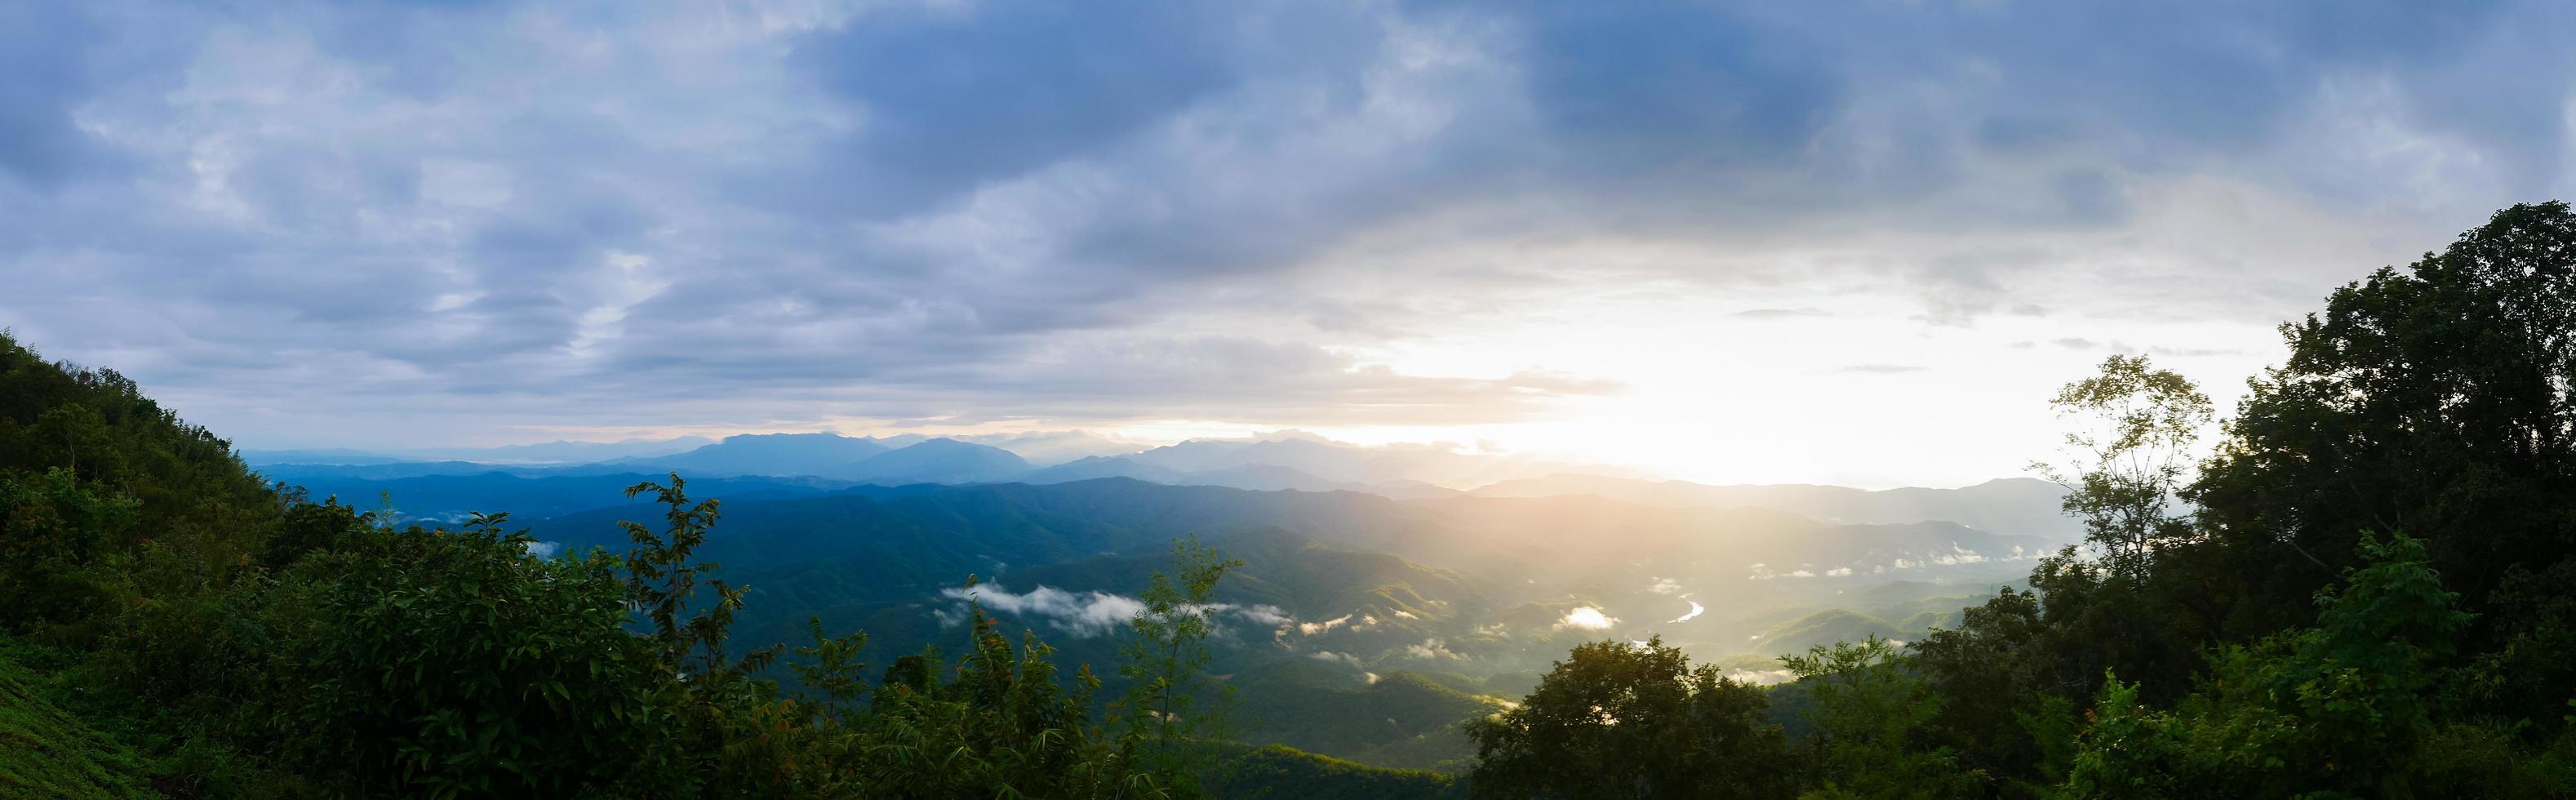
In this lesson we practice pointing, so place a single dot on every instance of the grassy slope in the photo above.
(1282, 773)
(45, 752)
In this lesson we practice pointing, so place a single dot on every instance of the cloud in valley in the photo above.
(1586, 618)
(1081, 614)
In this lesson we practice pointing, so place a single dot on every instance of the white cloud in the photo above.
(1086, 614)
(1263, 614)
(1312, 628)
(1263, 231)
(1586, 618)
(1432, 649)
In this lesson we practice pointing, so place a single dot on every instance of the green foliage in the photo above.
(2129, 455)
(2343, 709)
(1283, 773)
(1000, 726)
(1168, 726)
(2438, 399)
(662, 581)
(1616, 720)
(452, 664)
(1871, 708)
(53, 528)
(47, 752)
(2115, 603)
(831, 666)
(2002, 711)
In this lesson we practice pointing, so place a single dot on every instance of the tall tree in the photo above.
(2109, 604)
(2128, 455)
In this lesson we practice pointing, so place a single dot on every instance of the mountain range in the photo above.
(2017, 506)
(1413, 587)
(1338, 590)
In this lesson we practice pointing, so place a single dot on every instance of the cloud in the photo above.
(1259, 614)
(1083, 615)
(1432, 649)
(1586, 618)
(1664, 586)
(467, 216)
(1780, 313)
(1312, 628)
(1882, 369)
(1958, 555)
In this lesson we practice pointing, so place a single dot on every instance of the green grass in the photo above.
(1279, 773)
(45, 752)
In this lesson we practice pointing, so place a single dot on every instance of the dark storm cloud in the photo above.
(1113, 209)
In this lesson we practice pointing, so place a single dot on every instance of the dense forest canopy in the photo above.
(2366, 589)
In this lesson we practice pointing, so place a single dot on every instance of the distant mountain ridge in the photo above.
(542, 453)
(936, 461)
(2016, 506)
(1286, 460)
(2022, 506)
(776, 454)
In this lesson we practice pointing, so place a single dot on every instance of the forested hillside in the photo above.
(2365, 587)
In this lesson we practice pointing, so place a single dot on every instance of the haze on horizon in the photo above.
(1723, 242)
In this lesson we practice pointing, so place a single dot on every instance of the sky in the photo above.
(1846, 242)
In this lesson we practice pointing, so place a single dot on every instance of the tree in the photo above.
(77, 432)
(662, 581)
(1871, 710)
(52, 527)
(1618, 720)
(2118, 602)
(2129, 454)
(2000, 674)
(721, 702)
(1169, 727)
(1000, 726)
